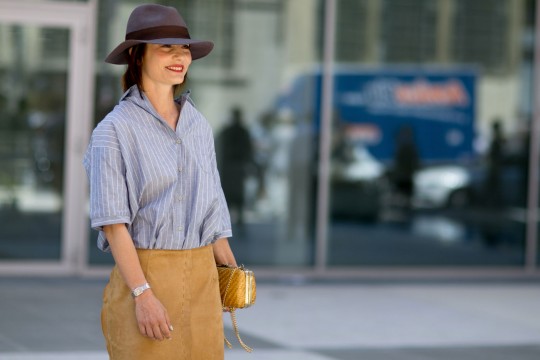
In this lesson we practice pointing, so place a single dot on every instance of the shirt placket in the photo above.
(179, 193)
(180, 221)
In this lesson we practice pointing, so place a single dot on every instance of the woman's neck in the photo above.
(162, 99)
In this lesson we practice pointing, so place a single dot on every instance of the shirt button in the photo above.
(178, 141)
(180, 169)
(179, 198)
(180, 228)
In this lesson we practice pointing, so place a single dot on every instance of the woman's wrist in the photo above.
(139, 290)
(145, 295)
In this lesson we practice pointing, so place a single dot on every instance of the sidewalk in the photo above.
(58, 318)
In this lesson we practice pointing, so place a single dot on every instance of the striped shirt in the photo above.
(162, 183)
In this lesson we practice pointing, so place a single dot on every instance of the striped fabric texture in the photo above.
(162, 183)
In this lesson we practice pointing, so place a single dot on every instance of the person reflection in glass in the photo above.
(494, 165)
(235, 156)
(406, 162)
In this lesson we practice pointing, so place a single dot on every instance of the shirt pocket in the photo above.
(202, 153)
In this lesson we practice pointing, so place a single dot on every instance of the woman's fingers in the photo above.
(156, 330)
(164, 323)
(142, 329)
(165, 330)
(149, 332)
(152, 318)
(168, 324)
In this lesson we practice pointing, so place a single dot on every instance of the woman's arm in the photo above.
(223, 253)
(151, 315)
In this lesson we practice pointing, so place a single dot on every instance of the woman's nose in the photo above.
(177, 50)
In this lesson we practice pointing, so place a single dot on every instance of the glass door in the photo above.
(45, 96)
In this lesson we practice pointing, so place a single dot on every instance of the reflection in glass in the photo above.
(451, 155)
(32, 121)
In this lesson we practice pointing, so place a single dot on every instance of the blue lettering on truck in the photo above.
(372, 105)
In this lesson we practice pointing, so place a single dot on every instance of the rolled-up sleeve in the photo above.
(109, 201)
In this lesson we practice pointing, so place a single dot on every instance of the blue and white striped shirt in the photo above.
(162, 183)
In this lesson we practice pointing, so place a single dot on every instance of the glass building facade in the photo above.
(418, 156)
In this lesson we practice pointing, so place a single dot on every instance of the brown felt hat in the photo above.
(157, 24)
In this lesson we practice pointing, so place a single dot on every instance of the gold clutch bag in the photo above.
(236, 286)
(238, 290)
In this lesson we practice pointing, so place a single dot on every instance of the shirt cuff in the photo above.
(222, 234)
(97, 224)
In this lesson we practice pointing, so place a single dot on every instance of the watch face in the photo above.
(138, 291)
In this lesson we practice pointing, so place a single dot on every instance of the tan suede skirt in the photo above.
(186, 283)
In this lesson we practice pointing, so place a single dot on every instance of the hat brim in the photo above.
(198, 48)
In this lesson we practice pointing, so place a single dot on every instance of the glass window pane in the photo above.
(32, 123)
(482, 34)
(408, 31)
(351, 33)
(429, 162)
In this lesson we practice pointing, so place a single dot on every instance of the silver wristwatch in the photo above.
(139, 290)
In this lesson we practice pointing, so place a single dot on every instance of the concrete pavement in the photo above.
(58, 318)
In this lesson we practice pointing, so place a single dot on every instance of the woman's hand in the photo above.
(223, 253)
(152, 317)
(223, 256)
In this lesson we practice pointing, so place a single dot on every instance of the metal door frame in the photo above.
(79, 19)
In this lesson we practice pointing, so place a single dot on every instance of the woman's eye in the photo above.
(167, 46)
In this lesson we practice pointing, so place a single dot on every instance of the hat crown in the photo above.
(153, 15)
(157, 24)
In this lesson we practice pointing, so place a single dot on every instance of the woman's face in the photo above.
(165, 64)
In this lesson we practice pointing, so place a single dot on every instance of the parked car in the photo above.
(442, 186)
(456, 186)
(356, 183)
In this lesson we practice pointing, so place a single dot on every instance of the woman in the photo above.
(157, 201)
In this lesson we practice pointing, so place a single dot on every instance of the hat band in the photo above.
(159, 32)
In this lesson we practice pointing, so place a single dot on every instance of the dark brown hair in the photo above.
(133, 74)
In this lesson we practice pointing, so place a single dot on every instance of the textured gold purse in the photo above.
(238, 290)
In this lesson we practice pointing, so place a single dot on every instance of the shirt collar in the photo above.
(134, 95)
